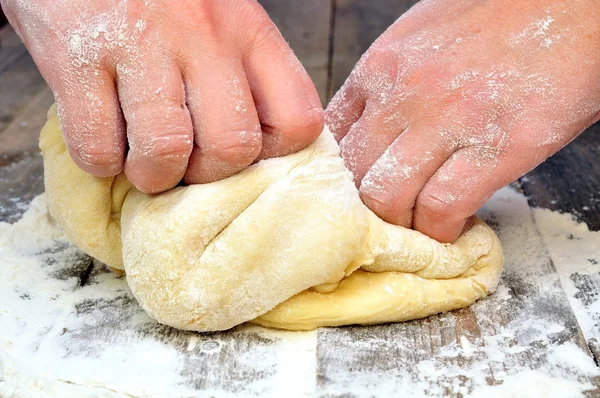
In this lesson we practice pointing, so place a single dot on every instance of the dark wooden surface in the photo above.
(568, 181)
(329, 36)
(2, 18)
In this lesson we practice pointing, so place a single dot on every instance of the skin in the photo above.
(169, 90)
(455, 100)
(459, 98)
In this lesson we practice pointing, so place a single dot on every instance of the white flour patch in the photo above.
(531, 383)
(575, 252)
(43, 351)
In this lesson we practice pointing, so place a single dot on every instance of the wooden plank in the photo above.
(23, 105)
(20, 83)
(24, 102)
(306, 25)
(21, 135)
(357, 24)
(568, 182)
(21, 180)
(21, 169)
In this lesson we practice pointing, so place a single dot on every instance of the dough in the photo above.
(287, 243)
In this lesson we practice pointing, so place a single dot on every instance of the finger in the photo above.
(344, 110)
(227, 132)
(286, 99)
(159, 128)
(92, 123)
(369, 138)
(393, 183)
(460, 187)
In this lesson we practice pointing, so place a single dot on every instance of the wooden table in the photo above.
(450, 354)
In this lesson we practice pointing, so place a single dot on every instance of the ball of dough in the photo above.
(286, 243)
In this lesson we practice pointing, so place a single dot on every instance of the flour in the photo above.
(540, 31)
(45, 319)
(60, 340)
(36, 293)
(531, 383)
(575, 252)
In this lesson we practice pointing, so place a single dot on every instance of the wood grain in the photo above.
(21, 134)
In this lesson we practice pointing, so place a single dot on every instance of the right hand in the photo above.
(458, 98)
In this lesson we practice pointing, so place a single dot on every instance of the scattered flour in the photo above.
(60, 340)
(532, 383)
(539, 31)
(575, 252)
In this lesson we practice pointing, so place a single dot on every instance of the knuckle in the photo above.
(377, 72)
(439, 203)
(237, 147)
(342, 100)
(344, 109)
(94, 158)
(306, 126)
(380, 196)
(93, 140)
(301, 127)
(161, 131)
(199, 17)
(378, 57)
(384, 200)
(173, 144)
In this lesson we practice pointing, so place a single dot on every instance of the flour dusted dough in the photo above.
(286, 243)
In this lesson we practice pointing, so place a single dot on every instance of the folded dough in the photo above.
(286, 243)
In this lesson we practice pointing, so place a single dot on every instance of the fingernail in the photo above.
(468, 224)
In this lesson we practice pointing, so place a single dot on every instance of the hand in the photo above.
(169, 89)
(459, 98)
